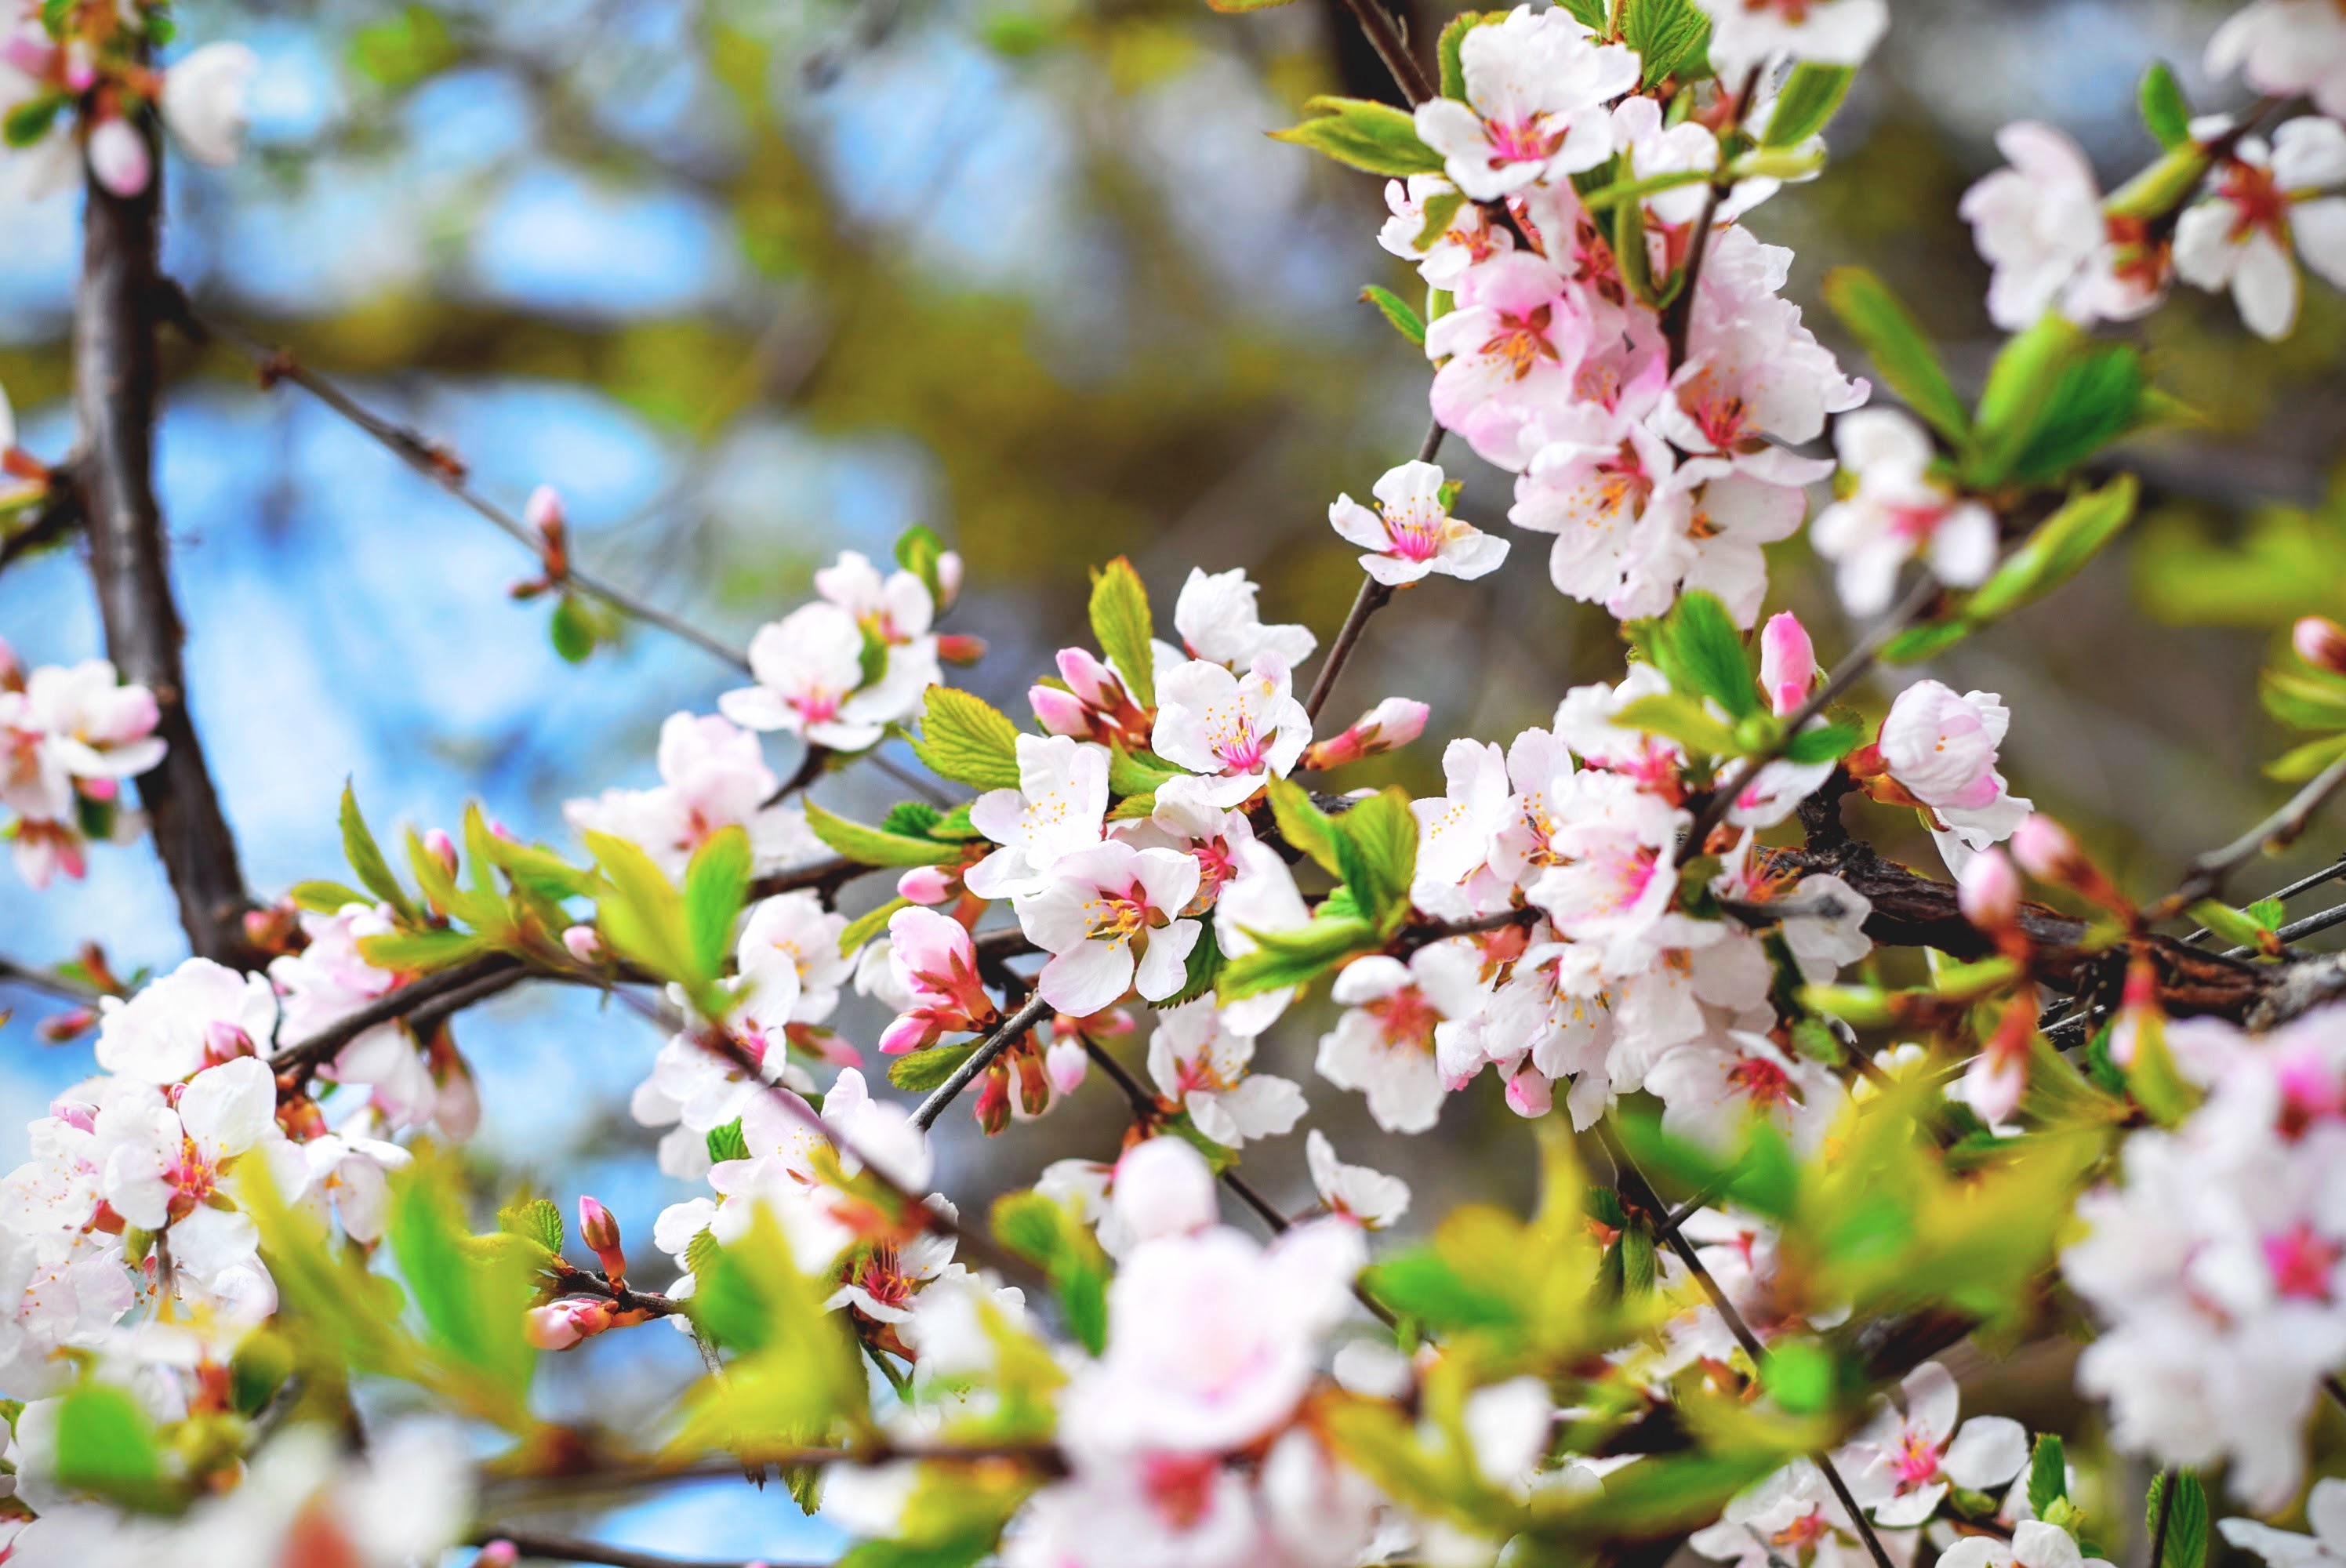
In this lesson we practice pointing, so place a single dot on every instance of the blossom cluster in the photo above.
(69, 738)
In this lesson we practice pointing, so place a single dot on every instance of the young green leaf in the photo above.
(964, 738)
(727, 1143)
(1825, 742)
(716, 885)
(1376, 849)
(365, 856)
(472, 1301)
(910, 819)
(1811, 96)
(869, 924)
(2048, 1473)
(1703, 653)
(1901, 353)
(2017, 400)
(2187, 1519)
(1373, 137)
(1677, 717)
(421, 951)
(877, 846)
(2059, 550)
(1303, 825)
(1286, 957)
(918, 551)
(638, 911)
(537, 1220)
(1125, 628)
(1396, 310)
(1670, 35)
(1447, 48)
(325, 896)
(2165, 111)
(918, 1072)
(2302, 700)
(2300, 763)
(1137, 773)
(104, 1442)
(571, 630)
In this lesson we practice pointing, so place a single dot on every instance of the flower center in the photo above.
(1917, 1461)
(2302, 1262)
(2258, 201)
(1407, 1018)
(1117, 917)
(1521, 341)
(1522, 141)
(1763, 1082)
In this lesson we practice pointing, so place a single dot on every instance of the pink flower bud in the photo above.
(948, 571)
(1988, 890)
(583, 942)
(545, 512)
(1163, 1187)
(2321, 642)
(442, 849)
(1067, 1064)
(959, 648)
(224, 1041)
(1394, 722)
(907, 1032)
(929, 885)
(562, 1324)
(600, 1232)
(119, 159)
(1529, 1092)
(1061, 712)
(497, 1553)
(2043, 848)
(70, 1024)
(101, 789)
(1788, 663)
(1093, 683)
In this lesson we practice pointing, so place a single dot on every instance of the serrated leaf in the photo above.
(2048, 1473)
(1124, 627)
(877, 846)
(1811, 96)
(955, 825)
(727, 1143)
(1703, 653)
(1901, 355)
(1396, 310)
(910, 819)
(1137, 773)
(1376, 137)
(2186, 1518)
(365, 856)
(716, 885)
(2165, 111)
(1824, 742)
(1287, 958)
(966, 740)
(1447, 50)
(1670, 35)
(921, 1071)
(1376, 849)
(537, 1220)
(1204, 967)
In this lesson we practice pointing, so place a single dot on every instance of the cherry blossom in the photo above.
(1613, 877)
(2286, 47)
(2034, 1544)
(1236, 732)
(1904, 1461)
(1390, 725)
(2040, 225)
(1383, 1045)
(1355, 1192)
(1709, 1088)
(1536, 87)
(1110, 916)
(200, 1015)
(1896, 512)
(713, 776)
(204, 101)
(810, 671)
(1057, 808)
(1507, 352)
(1411, 533)
(936, 963)
(2325, 1510)
(1940, 750)
(1217, 621)
(1443, 258)
(1201, 1067)
(1745, 34)
(2265, 198)
(1790, 1517)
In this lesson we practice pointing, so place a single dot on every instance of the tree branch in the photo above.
(550, 1547)
(1374, 595)
(115, 394)
(1012, 1031)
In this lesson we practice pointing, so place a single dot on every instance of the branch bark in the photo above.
(115, 382)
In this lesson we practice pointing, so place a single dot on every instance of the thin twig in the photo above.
(2329, 873)
(2298, 930)
(1385, 38)
(2207, 873)
(433, 462)
(1853, 665)
(1677, 316)
(47, 982)
(1017, 1029)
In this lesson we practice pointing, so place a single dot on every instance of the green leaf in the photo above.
(571, 629)
(1812, 94)
(869, 924)
(2096, 398)
(403, 50)
(1670, 35)
(1303, 825)
(727, 1143)
(2018, 404)
(921, 1071)
(1376, 849)
(1901, 355)
(1376, 137)
(1440, 209)
(29, 121)
(1446, 49)
(1825, 743)
(1287, 958)
(1699, 649)
(365, 857)
(956, 826)
(537, 1220)
(421, 951)
(2301, 763)
(2314, 699)
(910, 819)
(877, 846)
(1046, 1235)
(106, 1444)
(1137, 773)
(1397, 310)
(2048, 1473)
(1678, 717)
(1800, 1375)
(2187, 1519)
(716, 885)
(639, 913)
(2165, 111)
(1124, 627)
(964, 738)
(1622, 190)
(2057, 550)
(918, 551)
(472, 1301)
(1917, 643)
(326, 898)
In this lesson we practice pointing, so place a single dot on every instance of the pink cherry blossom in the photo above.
(1508, 354)
(1904, 1462)
(2265, 199)
(1110, 918)
(1788, 663)
(1236, 732)
(1059, 808)
(1218, 620)
(934, 961)
(1536, 87)
(1201, 1067)
(1442, 259)
(1353, 1192)
(2286, 47)
(1896, 512)
(1942, 749)
(2040, 225)
(1411, 533)
(1748, 33)
(810, 671)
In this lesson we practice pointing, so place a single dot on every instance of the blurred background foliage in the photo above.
(755, 282)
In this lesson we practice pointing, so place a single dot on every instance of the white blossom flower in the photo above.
(2265, 198)
(1748, 33)
(2325, 1510)
(177, 1025)
(1199, 1064)
(810, 671)
(1896, 512)
(1057, 808)
(1218, 620)
(1111, 919)
(204, 101)
(1236, 732)
(1411, 533)
(1356, 1192)
(1444, 257)
(2286, 47)
(1536, 87)
(1903, 1463)
(1941, 749)
(2040, 225)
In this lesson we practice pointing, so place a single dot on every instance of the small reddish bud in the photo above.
(1061, 712)
(959, 648)
(1094, 684)
(992, 1108)
(1394, 722)
(1529, 1092)
(497, 1553)
(71, 1024)
(562, 1324)
(441, 848)
(225, 1042)
(2045, 849)
(1988, 892)
(1067, 1063)
(583, 942)
(2321, 642)
(600, 1232)
(276, 928)
(927, 885)
(1788, 663)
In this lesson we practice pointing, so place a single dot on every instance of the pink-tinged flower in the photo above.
(1898, 511)
(2286, 47)
(1383, 1045)
(713, 776)
(934, 961)
(927, 885)
(1788, 664)
(163, 1164)
(1442, 258)
(1585, 721)
(1236, 732)
(2040, 225)
(559, 1325)
(1613, 875)
(119, 157)
(1987, 890)
(1593, 475)
(1111, 919)
(1790, 1517)
(204, 101)
(1411, 533)
(1747, 33)
(1390, 725)
(810, 671)
(1456, 832)
(1357, 1193)
(1710, 1088)
(1903, 1463)
(1059, 808)
(2034, 1544)
(1941, 749)
(175, 1026)
(1536, 87)
(1162, 1186)
(2320, 642)
(1213, 1340)
(2265, 199)
(1707, 532)
(884, 1280)
(896, 608)
(1096, 705)
(787, 962)
(94, 726)
(1217, 619)
(1655, 149)
(1067, 1064)
(351, 1171)
(1261, 896)
(1201, 1065)
(1508, 354)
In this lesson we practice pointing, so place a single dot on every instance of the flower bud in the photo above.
(70, 1024)
(225, 1042)
(928, 885)
(12, 669)
(600, 1232)
(1788, 663)
(1033, 1085)
(959, 648)
(1067, 1064)
(119, 159)
(545, 513)
(1061, 712)
(498, 1554)
(2321, 642)
(1394, 722)
(99, 790)
(1163, 1187)
(2043, 848)
(1529, 1092)
(1094, 684)
(583, 942)
(442, 849)
(1987, 890)
(562, 1324)
(992, 1108)
(948, 571)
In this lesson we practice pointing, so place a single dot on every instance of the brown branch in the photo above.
(549, 1547)
(1677, 316)
(1019, 1024)
(49, 982)
(2277, 831)
(1385, 38)
(115, 396)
